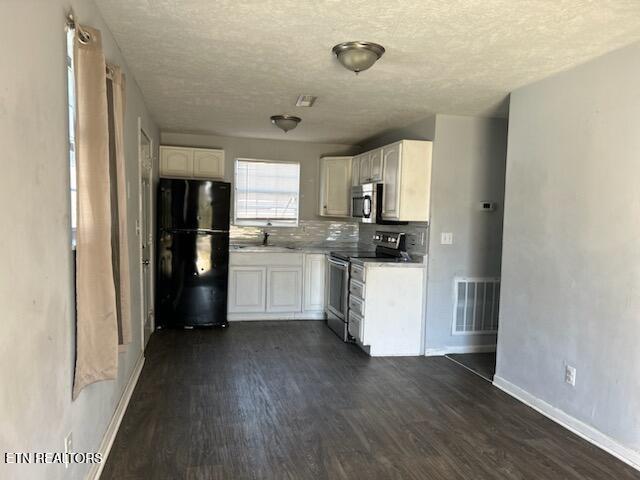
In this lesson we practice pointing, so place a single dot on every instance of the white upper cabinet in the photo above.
(176, 161)
(369, 167)
(335, 186)
(391, 192)
(375, 166)
(365, 167)
(407, 181)
(208, 163)
(355, 171)
(191, 162)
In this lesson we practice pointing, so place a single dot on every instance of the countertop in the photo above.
(244, 248)
(415, 262)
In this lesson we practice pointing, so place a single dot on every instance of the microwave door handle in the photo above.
(367, 207)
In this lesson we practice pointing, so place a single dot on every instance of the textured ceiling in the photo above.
(225, 66)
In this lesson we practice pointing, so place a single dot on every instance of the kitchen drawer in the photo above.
(355, 326)
(356, 288)
(357, 272)
(356, 304)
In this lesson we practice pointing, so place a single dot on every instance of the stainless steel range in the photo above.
(390, 247)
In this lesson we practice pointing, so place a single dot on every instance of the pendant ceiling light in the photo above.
(285, 122)
(358, 56)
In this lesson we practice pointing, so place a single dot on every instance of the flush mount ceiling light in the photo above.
(285, 122)
(358, 56)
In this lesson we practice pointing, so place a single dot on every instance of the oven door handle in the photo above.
(338, 263)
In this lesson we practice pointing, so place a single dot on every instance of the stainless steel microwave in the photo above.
(364, 202)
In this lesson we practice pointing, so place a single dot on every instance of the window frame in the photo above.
(279, 223)
(72, 111)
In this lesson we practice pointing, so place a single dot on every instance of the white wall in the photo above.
(307, 153)
(571, 261)
(37, 341)
(468, 167)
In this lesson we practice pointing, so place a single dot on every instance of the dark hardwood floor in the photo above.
(288, 400)
(483, 364)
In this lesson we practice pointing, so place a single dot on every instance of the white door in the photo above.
(365, 168)
(375, 166)
(392, 173)
(284, 289)
(208, 163)
(337, 186)
(146, 233)
(176, 161)
(314, 273)
(247, 289)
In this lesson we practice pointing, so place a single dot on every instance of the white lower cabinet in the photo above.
(314, 282)
(247, 288)
(355, 327)
(284, 289)
(265, 286)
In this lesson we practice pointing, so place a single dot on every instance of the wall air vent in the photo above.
(305, 101)
(475, 305)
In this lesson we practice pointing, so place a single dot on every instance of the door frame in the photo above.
(139, 228)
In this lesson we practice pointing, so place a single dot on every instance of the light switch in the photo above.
(446, 238)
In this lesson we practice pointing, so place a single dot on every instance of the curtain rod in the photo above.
(83, 35)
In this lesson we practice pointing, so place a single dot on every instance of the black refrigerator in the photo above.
(193, 253)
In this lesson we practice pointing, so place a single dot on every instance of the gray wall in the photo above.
(468, 167)
(308, 154)
(424, 129)
(37, 341)
(571, 262)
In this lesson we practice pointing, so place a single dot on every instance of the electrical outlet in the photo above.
(570, 375)
(446, 238)
(68, 448)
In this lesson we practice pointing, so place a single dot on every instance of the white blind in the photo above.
(267, 191)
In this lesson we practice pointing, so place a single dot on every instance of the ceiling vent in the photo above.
(305, 101)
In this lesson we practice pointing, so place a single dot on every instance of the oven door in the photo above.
(338, 288)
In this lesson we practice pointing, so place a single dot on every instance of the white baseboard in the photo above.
(587, 432)
(251, 317)
(116, 419)
(437, 352)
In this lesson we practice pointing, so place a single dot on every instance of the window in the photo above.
(71, 101)
(266, 193)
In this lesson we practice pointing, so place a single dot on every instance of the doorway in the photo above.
(145, 227)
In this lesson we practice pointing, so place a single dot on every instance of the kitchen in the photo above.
(288, 271)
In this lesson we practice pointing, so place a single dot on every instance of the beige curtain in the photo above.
(120, 239)
(96, 321)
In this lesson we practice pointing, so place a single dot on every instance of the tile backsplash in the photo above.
(310, 233)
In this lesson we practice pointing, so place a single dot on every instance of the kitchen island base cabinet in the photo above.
(276, 286)
(388, 320)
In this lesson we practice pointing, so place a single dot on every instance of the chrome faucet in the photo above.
(265, 238)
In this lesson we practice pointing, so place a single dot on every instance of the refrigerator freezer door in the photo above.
(192, 278)
(193, 205)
